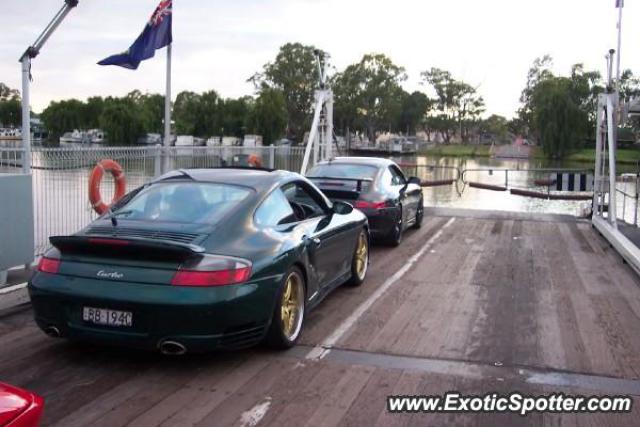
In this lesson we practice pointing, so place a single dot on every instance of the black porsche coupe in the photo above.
(376, 186)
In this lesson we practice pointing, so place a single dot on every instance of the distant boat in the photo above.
(393, 145)
(231, 141)
(214, 141)
(189, 141)
(91, 136)
(150, 139)
(10, 134)
(75, 137)
(252, 141)
(96, 136)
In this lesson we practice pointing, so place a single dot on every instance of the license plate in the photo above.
(104, 316)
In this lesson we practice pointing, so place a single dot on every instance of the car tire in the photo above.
(395, 235)
(419, 214)
(360, 260)
(289, 312)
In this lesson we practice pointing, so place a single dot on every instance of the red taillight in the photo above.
(213, 270)
(114, 242)
(211, 278)
(365, 204)
(49, 265)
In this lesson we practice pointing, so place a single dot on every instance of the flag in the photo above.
(619, 3)
(156, 35)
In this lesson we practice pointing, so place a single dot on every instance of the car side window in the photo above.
(302, 201)
(386, 178)
(274, 210)
(397, 178)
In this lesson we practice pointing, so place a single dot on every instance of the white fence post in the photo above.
(272, 157)
(157, 170)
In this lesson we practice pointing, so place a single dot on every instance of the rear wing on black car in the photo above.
(340, 187)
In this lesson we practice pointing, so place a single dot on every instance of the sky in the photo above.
(220, 44)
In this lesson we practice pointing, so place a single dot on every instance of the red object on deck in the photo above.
(486, 186)
(437, 182)
(549, 196)
(19, 408)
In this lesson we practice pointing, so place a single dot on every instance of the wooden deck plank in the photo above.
(211, 397)
(506, 290)
(333, 407)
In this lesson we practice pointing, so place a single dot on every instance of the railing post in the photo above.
(635, 210)
(157, 169)
(272, 156)
(26, 115)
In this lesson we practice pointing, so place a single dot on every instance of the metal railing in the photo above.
(11, 160)
(60, 175)
(630, 190)
(505, 178)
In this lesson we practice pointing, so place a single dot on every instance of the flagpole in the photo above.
(167, 101)
(619, 44)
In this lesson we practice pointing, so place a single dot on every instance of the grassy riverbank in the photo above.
(457, 150)
(623, 156)
(629, 156)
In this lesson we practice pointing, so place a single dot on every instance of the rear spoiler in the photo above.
(130, 245)
(358, 181)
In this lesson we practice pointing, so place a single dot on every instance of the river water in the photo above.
(521, 174)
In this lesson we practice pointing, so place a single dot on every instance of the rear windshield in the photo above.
(189, 202)
(343, 170)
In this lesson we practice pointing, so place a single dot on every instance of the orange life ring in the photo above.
(254, 161)
(95, 179)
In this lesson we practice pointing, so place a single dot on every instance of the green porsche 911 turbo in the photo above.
(202, 259)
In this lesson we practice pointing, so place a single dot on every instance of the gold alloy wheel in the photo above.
(292, 306)
(362, 256)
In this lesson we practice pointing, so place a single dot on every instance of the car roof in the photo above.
(371, 161)
(259, 179)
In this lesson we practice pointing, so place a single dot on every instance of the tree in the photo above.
(539, 71)
(293, 72)
(10, 106)
(629, 86)
(585, 88)
(152, 110)
(10, 112)
(234, 114)
(6, 93)
(92, 111)
(123, 124)
(269, 115)
(413, 111)
(558, 120)
(67, 115)
(495, 125)
(370, 92)
(211, 111)
(187, 112)
(458, 103)
(440, 123)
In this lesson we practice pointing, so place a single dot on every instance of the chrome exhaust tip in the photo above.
(172, 348)
(52, 331)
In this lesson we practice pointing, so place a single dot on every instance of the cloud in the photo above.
(219, 44)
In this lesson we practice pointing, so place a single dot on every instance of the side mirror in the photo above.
(342, 208)
(415, 180)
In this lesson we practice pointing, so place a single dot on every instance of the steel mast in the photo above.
(321, 133)
(31, 52)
